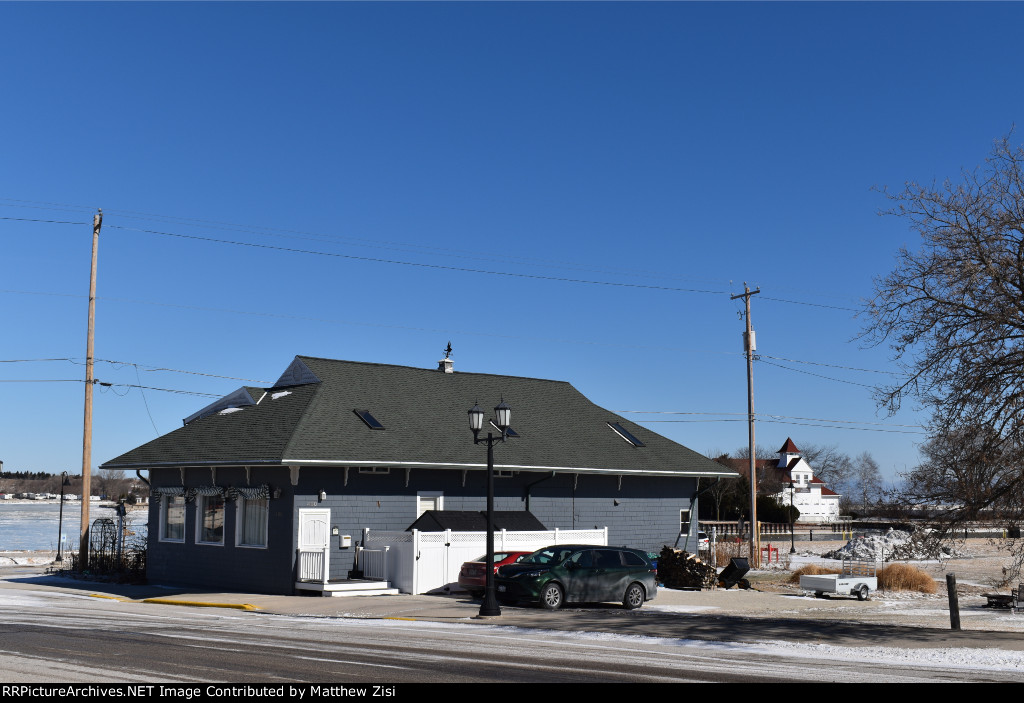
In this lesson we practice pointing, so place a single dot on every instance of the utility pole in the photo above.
(749, 346)
(83, 545)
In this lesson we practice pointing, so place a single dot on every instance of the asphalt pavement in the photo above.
(717, 615)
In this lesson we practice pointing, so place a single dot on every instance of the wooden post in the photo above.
(954, 603)
(749, 347)
(83, 544)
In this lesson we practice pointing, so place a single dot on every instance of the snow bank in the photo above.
(894, 545)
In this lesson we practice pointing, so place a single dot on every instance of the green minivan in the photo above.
(579, 573)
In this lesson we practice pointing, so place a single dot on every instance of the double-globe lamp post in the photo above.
(502, 414)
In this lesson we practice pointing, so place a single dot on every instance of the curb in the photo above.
(168, 601)
(200, 604)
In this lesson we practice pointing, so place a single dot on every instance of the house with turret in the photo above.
(791, 481)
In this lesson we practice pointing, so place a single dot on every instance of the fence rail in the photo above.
(421, 562)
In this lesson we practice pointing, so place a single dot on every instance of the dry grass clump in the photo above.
(903, 577)
(811, 570)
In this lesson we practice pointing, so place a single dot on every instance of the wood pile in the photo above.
(679, 569)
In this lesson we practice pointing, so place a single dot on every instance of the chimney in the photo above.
(445, 364)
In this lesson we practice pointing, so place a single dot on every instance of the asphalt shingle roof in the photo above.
(424, 413)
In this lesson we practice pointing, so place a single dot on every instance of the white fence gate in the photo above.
(419, 562)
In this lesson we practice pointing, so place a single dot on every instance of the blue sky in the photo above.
(563, 190)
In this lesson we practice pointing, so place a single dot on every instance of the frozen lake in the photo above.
(35, 526)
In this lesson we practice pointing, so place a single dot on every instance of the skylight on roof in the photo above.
(371, 422)
(625, 434)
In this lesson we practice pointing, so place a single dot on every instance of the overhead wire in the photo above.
(349, 240)
(277, 232)
(400, 246)
(773, 416)
(338, 321)
(103, 384)
(816, 375)
(419, 264)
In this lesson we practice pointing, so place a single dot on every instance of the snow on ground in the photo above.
(894, 545)
(941, 657)
(31, 559)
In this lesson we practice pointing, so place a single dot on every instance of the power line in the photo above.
(839, 427)
(349, 240)
(762, 418)
(52, 222)
(817, 375)
(817, 305)
(108, 385)
(144, 401)
(818, 363)
(399, 246)
(772, 416)
(440, 267)
(144, 367)
(336, 321)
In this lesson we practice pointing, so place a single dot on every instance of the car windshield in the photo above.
(498, 556)
(550, 555)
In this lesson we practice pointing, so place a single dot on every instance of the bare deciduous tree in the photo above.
(829, 464)
(952, 311)
(868, 478)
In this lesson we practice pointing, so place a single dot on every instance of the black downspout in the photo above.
(529, 487)
(693, 516)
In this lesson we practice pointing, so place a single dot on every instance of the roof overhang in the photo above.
(677, 473)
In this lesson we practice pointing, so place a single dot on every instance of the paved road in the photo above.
(61, 637)
(55, 633)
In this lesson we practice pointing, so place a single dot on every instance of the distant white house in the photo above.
(815, 501)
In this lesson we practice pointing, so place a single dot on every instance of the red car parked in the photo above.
(473, 575)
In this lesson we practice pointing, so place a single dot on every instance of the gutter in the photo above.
(340, 463)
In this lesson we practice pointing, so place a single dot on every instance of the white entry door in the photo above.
(314, 544)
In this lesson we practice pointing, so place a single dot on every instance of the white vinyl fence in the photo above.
(420, 562)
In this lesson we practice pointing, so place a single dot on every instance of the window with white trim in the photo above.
(172, 519)
(429, 500)
(210, 519)
(251, 523)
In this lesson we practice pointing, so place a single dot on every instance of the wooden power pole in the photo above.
(83, 545)
(749, 346)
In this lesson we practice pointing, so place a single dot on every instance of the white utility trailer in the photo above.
(858, 578)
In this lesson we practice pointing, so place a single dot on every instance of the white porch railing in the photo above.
(314, 564)
(420, 562)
